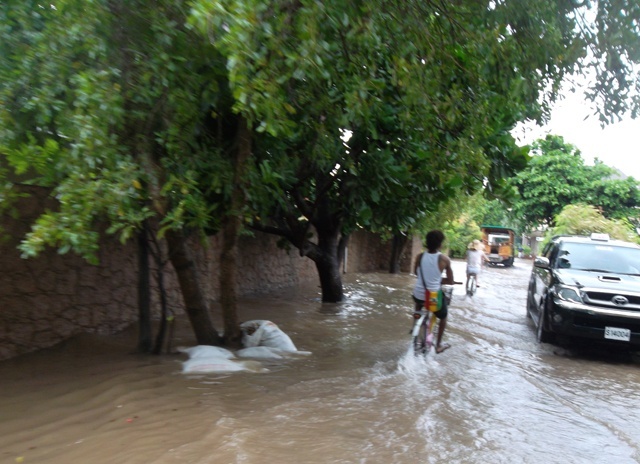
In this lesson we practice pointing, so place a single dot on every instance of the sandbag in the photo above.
(265, 333)
(259, 352)
(205, 359)
(206, 351)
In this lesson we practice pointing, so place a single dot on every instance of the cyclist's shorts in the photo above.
(473, 271)
(440, 314)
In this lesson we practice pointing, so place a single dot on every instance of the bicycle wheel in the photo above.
(431, 328)
(472, 285)
(420, 341)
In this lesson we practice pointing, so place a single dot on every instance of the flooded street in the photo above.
(496, 396)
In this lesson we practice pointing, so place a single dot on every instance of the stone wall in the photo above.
(53, 297)
(367, 252)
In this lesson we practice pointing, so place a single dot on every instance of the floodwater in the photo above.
(495, 396)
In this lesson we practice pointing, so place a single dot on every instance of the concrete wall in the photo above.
(53, 297)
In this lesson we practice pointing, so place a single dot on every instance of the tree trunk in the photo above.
(328, 266)
(228, 281)
(164, 310)
(342, 252)
(397, 248)
(194, 299)
(144, 295)
(230, 231)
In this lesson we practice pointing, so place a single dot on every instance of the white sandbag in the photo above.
(265, 333)
(206, 351)
(301, 353)
(211, 365)
(260, 352)
(205, 359)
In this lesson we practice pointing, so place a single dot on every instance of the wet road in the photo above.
(496, 396)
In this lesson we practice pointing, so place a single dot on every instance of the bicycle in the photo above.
(422, 332)
(472, 285)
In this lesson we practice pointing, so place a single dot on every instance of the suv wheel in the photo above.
(543, 335)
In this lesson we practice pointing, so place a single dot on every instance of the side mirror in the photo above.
(541, 262)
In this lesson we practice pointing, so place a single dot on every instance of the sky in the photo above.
(617, 145)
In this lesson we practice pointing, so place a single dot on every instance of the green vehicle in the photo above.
(499, 244)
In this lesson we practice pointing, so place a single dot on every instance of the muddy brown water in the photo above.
(496, 396)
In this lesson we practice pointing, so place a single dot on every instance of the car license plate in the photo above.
(615, 333)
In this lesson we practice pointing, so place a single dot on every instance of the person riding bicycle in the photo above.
(475, 257)
(428, 268)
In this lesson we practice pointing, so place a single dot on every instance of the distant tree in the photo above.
(461, 219)
(617, 195)
(497, 212)
(556, 176)
(460, 233)
(582, 219)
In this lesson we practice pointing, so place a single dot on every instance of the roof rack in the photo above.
(563, 235)
(595, 236)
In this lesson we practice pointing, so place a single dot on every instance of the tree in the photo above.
(461, 218)
(428, 116)
(582, 219)
(616, 194)
(459, 234)
(557, 176)
(110, 105)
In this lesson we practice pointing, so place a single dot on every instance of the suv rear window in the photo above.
(601, 257)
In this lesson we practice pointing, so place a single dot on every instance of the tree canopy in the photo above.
(429, 101)
(556, 176)
(582, 219)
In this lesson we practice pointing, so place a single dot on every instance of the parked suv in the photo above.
(586, 287)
